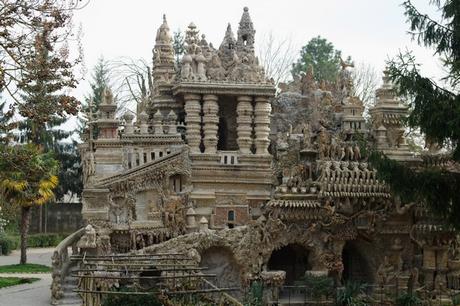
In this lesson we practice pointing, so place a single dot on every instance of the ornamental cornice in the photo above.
(225, 88)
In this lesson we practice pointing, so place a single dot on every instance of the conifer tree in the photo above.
(322, 56)
(435, 109)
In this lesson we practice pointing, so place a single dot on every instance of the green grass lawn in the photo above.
(27, 268)
(13, 281)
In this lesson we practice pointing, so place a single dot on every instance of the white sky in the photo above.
(368, 30)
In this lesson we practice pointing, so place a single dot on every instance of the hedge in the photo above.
(10, 242)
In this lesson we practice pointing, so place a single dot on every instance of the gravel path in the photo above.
(35, 294)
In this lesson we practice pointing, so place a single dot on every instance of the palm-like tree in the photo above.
(27, 178)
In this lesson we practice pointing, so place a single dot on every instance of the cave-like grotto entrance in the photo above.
(221, 262)
(293, 259)
(356, 264)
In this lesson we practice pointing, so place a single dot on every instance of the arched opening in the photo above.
(356, 265)
(293, 259)
(176, 183)
(221, 262)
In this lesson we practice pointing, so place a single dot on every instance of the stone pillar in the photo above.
(158, 123)
(210, 121)
(143, 123)
(141, 156)
(193, 121)
(133, 158)
(262, 124)
(244, 121)
(129, 128)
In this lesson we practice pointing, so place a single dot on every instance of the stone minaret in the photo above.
(106, 122)
(387, 121)
(246, 33)
(163, 72)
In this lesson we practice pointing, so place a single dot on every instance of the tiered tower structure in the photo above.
(387, 116)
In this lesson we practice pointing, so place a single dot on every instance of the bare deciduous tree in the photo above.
(276, 56)
(132, 83)
(365, 80)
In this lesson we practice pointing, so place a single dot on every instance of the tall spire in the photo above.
(246, 32)
(163, 35)
(163, 71)
(163, 52)
(229, 39)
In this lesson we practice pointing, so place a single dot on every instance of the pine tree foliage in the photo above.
(435, 109)
(178, 45)
(100, 80)
(322, 56)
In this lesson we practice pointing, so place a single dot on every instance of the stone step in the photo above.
(68, 289)
(71, 302)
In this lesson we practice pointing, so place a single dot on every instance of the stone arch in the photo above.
(292, 258)
(220, 260)
(357, 263)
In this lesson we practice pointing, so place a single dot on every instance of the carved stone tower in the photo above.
(387, 116)
(163, 70)
(246, 33)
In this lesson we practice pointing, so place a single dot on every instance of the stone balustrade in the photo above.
(61, 264)
(228, 158)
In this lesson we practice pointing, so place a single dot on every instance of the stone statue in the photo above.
(89, 168)
(88, 241)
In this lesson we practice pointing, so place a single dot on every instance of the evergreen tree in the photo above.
(435, 109)
(322, 56)
(100, 80)
(178, 45)
(44, 107)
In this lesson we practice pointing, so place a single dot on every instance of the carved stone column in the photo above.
(210, 121)
(244, 121)
(193, 121)
(140, 151)
(262, 124)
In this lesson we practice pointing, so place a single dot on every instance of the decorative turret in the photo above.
(389, 113)
(229, 41)
(227, 49)
(352, 119)
(194, 62)
(163, 55)
(107, 123)
(158, 122)
(246, 33)
(143, 122)
(129, 128)
(163, 71)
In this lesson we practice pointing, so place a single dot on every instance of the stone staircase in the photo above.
(70, 297)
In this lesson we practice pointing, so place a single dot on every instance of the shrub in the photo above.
(44, 240)
(408, 299)
(255, 294)
(8, 244)
(319, 285)
(353, 294)
(130, 300)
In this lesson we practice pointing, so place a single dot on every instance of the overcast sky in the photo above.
(368, 30)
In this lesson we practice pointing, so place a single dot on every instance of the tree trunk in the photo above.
(25, 222)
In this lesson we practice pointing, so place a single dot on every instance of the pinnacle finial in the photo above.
(246, 9)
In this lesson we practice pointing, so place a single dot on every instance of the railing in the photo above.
(302, 295)
(225, 297)
(61, 264)
(228, 157)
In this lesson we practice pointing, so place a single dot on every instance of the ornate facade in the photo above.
(217, 161)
